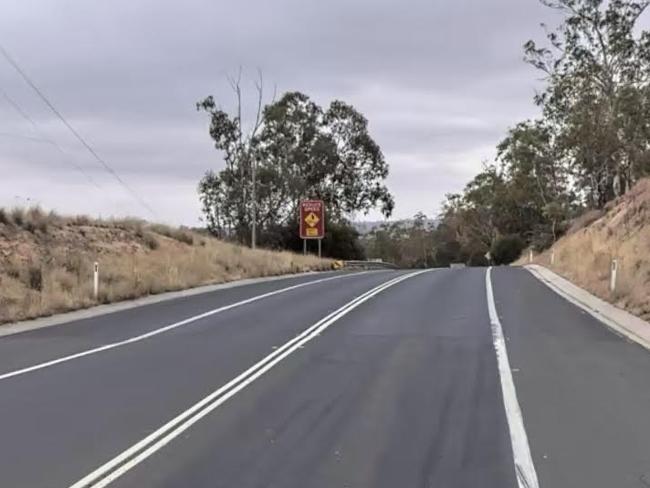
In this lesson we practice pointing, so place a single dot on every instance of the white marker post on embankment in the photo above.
(96, 280)
(613, 276)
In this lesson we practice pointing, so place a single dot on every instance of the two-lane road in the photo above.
(380, 379)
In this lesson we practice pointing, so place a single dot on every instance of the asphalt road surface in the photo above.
(384, 379)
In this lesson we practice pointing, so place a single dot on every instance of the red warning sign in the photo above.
(312, 219)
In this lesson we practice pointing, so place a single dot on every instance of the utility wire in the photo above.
(45, 100)
(43, 138)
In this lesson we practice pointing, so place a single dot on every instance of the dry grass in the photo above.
(585, 255)
(46, 261)
(585, 220)
(181, 235)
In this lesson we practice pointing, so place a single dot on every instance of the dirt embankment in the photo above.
(46, 261)
(622, 232)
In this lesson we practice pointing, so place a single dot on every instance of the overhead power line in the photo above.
(45, 100)
(43, 138)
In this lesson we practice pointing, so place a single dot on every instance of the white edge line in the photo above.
(599, 315)
(131, 457)
(524, 466)
(166, 328)
(13, 328)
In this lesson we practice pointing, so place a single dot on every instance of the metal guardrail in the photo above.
(370, 265)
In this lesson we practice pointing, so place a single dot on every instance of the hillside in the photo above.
(621, 231)
(46, 261)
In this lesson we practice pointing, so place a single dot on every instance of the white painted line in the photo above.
(110, 308)
(166, 328)
(524, 467)
(131, 457)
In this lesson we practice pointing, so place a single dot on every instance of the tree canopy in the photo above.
(590, 144)
(299, 150)
(597, 94)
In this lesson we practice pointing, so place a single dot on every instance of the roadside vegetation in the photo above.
(46, 261)
(293, 150)
(589, 146)
(621, 231)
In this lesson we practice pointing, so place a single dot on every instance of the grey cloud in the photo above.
(440, 81)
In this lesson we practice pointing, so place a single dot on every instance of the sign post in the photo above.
(312, 222)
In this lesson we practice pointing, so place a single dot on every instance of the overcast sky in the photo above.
(439, 80)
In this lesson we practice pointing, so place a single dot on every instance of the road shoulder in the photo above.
(620, 321)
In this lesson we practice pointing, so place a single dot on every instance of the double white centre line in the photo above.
(140, 451)
(167, 328)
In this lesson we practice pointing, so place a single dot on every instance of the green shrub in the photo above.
(507, 249)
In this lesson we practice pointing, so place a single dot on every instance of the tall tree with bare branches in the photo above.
(293, 150)
(229, 198)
